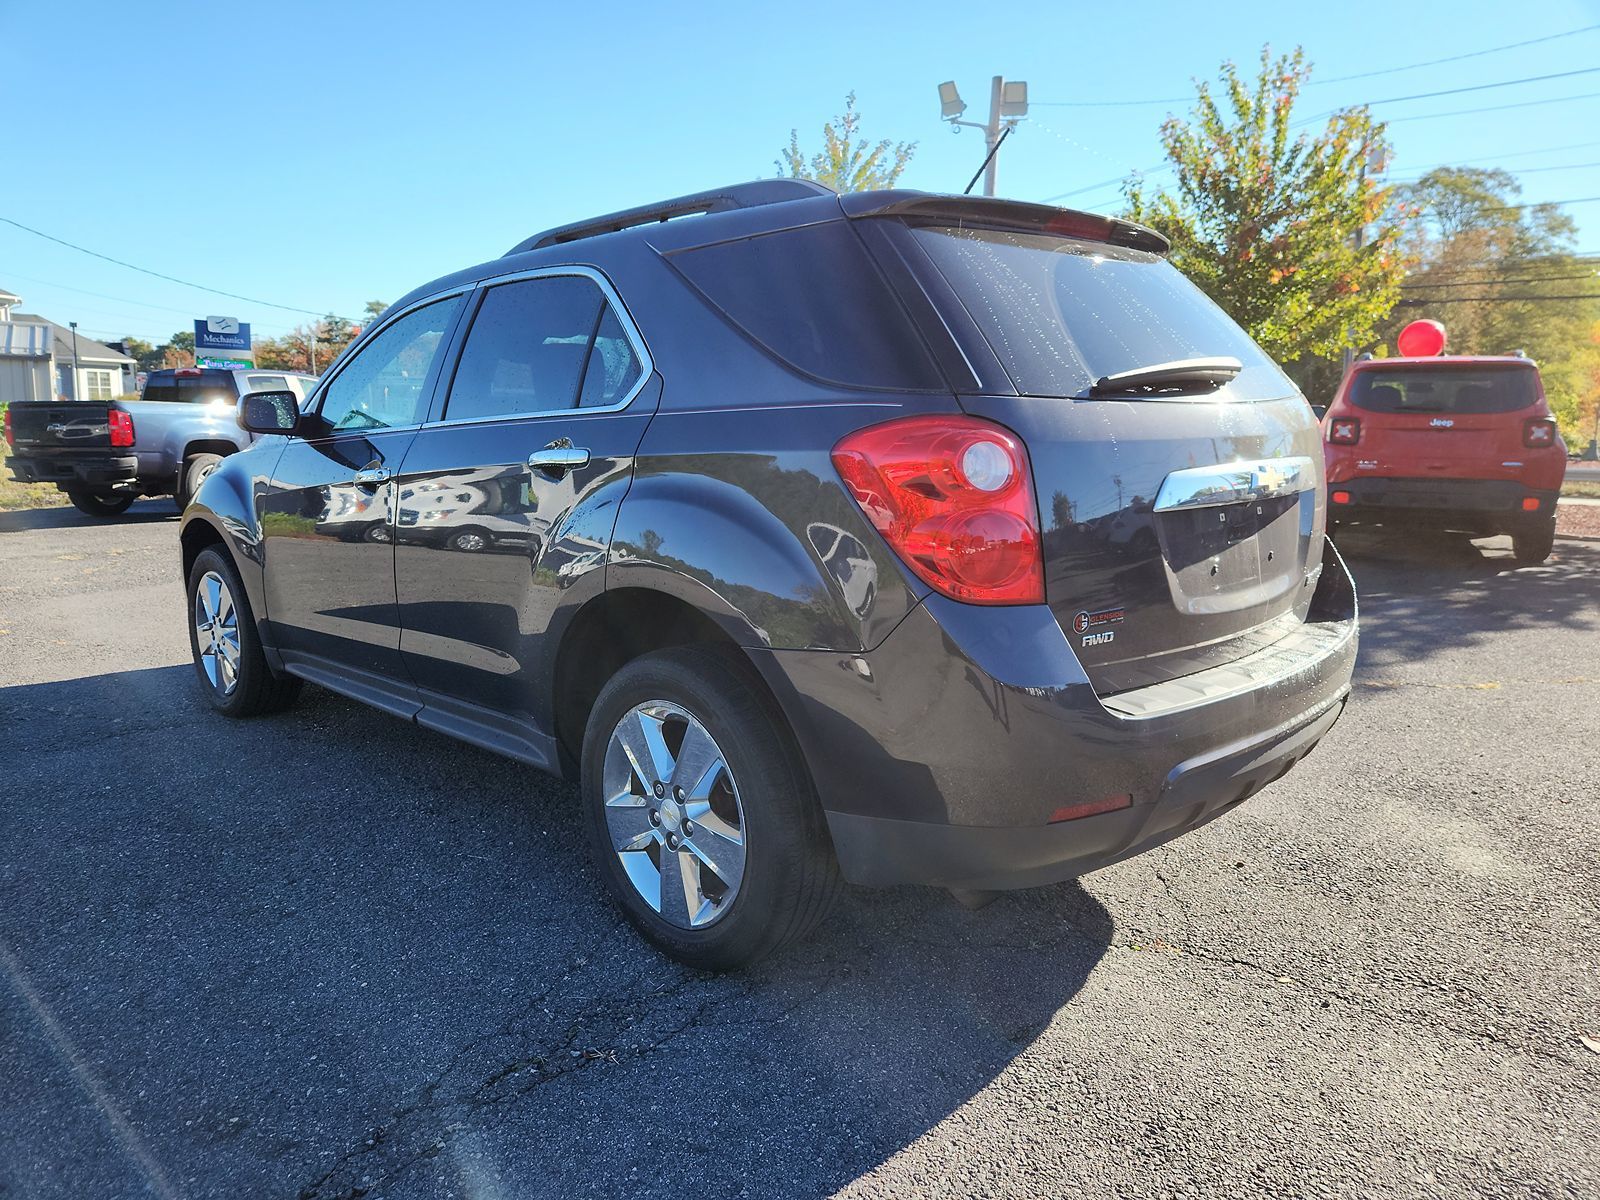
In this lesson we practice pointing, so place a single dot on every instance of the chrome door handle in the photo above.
(372, 477)
(558, 458)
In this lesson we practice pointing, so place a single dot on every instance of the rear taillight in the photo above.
(121, 425)
(1340, 497)
(1539, 433)
(1344, 431)
(10, 441)
(953, 497)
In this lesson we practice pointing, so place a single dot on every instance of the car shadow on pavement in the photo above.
(142, 512)
(330, 954)
(1437, 592)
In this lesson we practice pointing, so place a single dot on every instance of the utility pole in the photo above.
(1008, 104)
(74, 326)
(1374, 160)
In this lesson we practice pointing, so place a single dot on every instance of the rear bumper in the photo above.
(106, 473)
(1478, 503)
(942, 755)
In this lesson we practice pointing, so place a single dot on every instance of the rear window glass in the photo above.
(1445, 389)
(267, 383)
(1061, 314)
(812, 298)
(201, 388)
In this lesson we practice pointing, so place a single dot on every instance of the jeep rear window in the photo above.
(1475, 389)
(1061, 313)
(191, 389)
(812, 298)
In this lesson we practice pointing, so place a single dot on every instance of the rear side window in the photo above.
(1061, 313)
(1477, 389)
(543, 345)
(266, 383)
(813, 299)
(202, 387)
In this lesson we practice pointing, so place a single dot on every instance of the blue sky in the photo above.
(318, 156)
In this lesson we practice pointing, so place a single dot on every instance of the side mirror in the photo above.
(269, 412)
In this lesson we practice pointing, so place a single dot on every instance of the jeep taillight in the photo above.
(1539, 433)
(953, 497)
(121, 425)
(1344, 431)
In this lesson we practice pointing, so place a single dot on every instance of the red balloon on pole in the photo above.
(1421, 339)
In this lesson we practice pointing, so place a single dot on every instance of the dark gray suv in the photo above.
(893, 537)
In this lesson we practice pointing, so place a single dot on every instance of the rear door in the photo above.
(1182, 527)
(509, 497)
(327, 521)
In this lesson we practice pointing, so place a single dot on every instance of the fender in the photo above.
(771, 549)
(226, 506)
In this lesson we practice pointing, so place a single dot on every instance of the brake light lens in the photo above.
(121, 425)
(953, 497)
(1092, 808)
(1530, 504)
(1344, 431)
(1539, 433)
(1340, 497)
(10, 441)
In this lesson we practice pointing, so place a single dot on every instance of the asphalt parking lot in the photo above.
(327, 954)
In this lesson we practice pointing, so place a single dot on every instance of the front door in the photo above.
(328, 518)
(511, 495)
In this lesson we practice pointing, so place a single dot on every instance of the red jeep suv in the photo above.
(1449, 442)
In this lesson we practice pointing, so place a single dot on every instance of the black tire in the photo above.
(195, 469)
(1533, 543)
(790, 876)
(256, 690)
(99, 504)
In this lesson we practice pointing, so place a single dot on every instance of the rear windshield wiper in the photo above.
(1181, 375)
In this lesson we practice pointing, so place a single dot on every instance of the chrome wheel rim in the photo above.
(674, 814)
(216, 632)
(470, 541)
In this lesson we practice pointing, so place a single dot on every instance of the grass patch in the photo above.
(1587, 489)
(16, 496)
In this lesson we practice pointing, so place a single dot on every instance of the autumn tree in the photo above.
(1265, 219)
(847, 161)
(1502, 276)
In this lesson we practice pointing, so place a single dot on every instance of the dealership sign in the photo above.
(221, 333)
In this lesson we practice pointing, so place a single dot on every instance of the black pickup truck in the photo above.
(105, 455)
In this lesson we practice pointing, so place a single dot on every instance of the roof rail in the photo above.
(741, 195)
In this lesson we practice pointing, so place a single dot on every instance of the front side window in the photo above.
(542, 345)
(381, 387)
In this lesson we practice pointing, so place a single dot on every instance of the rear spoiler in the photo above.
(985, 212)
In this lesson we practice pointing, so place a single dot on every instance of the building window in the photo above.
(97, 384)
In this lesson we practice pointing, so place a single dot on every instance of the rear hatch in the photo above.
(1460, 420)
(1182, 515)
(48, 427)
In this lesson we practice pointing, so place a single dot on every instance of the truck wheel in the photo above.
(1534, 543)
(701, 815)
(99, 504)
(227, 650)
(195, 469)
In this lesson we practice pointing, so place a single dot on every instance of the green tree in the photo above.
(847, 161)
(1498, 274)
(373, 309)
(1265, 220)
(146, 355)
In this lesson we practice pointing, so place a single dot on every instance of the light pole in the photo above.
(1008, 104)
(74, 327)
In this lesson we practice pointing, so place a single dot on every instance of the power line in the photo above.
(1469, 162)
(1494, 299)
(1539, 204)
(1477, 87)
(1434, 62)
(1467, 112)
(1461, 283)
(157, 274)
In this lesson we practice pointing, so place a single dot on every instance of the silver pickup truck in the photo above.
(105, 455)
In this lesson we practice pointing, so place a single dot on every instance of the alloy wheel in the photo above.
(216, 629)
(673, 811)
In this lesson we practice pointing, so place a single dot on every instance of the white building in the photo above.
(37, 362)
